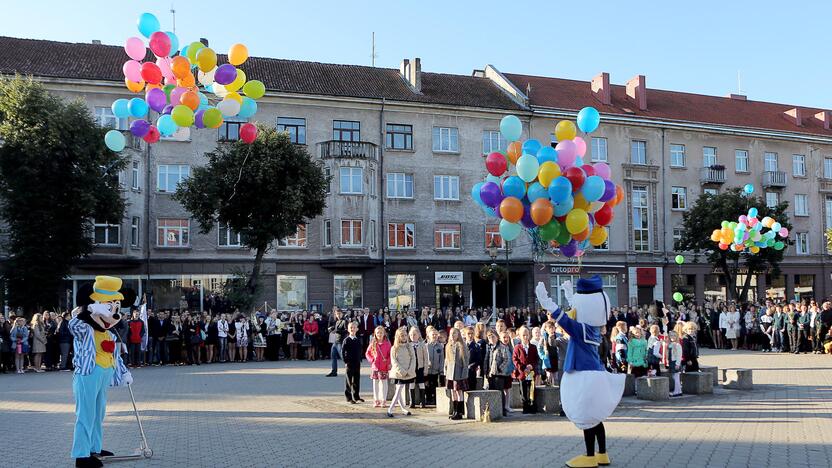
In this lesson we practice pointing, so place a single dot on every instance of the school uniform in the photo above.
(522, 356)
(351, 350)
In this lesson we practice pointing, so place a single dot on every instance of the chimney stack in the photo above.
(96, 41)
(637, 91)
(793, 115)
(412, 72)
(203, 41)
(738, 97)
(601, 88)
(826, 118)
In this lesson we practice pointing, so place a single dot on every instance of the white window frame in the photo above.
(446, 188)
(677, 235)
(409, 236)
(232, 239)
(372, 234)
(353, 175)
(798, 165)
(638, 148)
(492, 231)
(326, 235)
(328, 175)
(801, 243)
(164, 171)
(352, 241)
(801, 204)
(445, 140)
(678, 158)
(493, 141)
(770, 161)
(135, 175)
(678, 198)
(712, 191)
(106, 119)
(709, 156)
(827, 168)
(598, 149)
(641, 193)
(372, 178)
(298, 240)
(166, 231)
(776, 198)
(455, 236)
(399, 184)
(741, 159)
(135, 231)
(108, 228)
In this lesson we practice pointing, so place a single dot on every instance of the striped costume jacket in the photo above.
(84, 359)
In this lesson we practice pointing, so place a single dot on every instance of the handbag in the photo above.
(333, 338)
(307, 341)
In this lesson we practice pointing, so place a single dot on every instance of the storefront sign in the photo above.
(646, 276)
(560, 269)
(447, 277)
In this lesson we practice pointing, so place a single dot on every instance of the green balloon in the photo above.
(677, 296)
(254, 89)
(680, 259)
(563, 237)
(778, 245)
(212, 118)
(182, 115)
(193, 49)
(550, 231)
(167, 89)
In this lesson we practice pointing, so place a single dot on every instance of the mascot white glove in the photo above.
(543, 298)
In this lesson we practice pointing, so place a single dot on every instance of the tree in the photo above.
(708, 213)
(829, 239)
(56, 175)
(262, 191)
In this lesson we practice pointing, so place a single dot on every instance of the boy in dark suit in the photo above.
(352, 351)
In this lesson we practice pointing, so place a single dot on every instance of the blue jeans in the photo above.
(335, 356)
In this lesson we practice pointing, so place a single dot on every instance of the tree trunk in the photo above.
(744, 293)
(730, 281)
(254, 278)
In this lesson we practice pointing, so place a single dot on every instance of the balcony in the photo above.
(349, 149)
(774, 179)
(825, 185)
(712, 175)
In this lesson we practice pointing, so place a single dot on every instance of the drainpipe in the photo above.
(664, 220)
(381, 224)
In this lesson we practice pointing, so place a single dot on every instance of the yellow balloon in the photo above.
(754, 249)
(206, 59)
(238, 82)
(598, 236)
(576, 221)
(580, 202)
(565, 130)
(237, 54)
(548, 172)
(235, 96)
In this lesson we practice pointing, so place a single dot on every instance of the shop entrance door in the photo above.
(449, 295)
(645, 295)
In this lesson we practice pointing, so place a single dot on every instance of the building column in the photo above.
(699, 288)
(789, 286)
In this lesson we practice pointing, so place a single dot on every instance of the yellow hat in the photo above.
(106, 289)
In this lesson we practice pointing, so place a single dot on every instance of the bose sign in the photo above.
(447, 277)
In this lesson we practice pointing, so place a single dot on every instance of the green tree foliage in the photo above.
(56, 175)
(708, 213)
(262, 191)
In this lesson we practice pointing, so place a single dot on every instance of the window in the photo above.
(801, 243)
(446, 236)
(828, 203)
(445, 188)
(610, 287)
(372, 182)
(346, 130)
(492, 234)
(445, 139)
(677, 155)
(599, 149)
(770, 161)
(401, 291)
(173, 232)
(772, 199)
(798, 165)
(105, 233)
(291, 292)
(328, 174)
(400, 235)
(399, 185)
(708, 156)
(399, 137)
(493, 141)
(827, 168)
(348, 291)
(226, 237)
(372, 234)
(351, 232)
(230, 129)
(351, 180)
(801, 205)
(641, 224)
(677, 236)
(741, 161)
(134, 176)
(711, 191)
(296, 240)
(327, 233)
(638, 152)
(105, 118)
(295, 127)
(170, 175)
(135, 225)
(679, 198)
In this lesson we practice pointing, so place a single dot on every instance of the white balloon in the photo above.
(206, 78)
(229, 107)
(219, 90)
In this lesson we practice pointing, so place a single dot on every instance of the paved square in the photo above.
(288, 414)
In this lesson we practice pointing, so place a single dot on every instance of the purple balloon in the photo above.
(609, 191)
(198, 118)
(167, 110)
(156, 99)
(139, 128)
(225, 74)
(526, 220)
(570, 249)
(490, 193)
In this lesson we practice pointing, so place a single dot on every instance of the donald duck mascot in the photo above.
(589, 394)
(98, 364)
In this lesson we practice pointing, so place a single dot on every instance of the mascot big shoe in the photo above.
(97, 362)
(589, 394)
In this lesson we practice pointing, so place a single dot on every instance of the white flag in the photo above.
(143, 316)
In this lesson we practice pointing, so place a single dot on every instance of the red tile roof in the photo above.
(84, 61)
(558, 93)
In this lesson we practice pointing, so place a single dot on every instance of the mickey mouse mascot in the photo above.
(97, 362)
(589, 394)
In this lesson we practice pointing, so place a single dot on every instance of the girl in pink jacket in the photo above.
(378, 355)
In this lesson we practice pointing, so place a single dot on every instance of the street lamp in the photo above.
(492, 252)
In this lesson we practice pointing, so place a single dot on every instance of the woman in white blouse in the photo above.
(732, 325)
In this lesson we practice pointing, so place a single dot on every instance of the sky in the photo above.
(777, 49)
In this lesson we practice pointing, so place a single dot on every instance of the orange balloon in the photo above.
(619, 195)
(190, 99)
(582, 236)
(542, 211)
(515, 149)
(511, 209)
(580, 202)
(186, 81)
(180, 66)
(149, 86)
(134, 86)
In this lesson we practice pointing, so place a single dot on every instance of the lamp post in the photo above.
(492, 252)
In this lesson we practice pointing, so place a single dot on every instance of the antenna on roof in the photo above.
(173, 13)
(739, 82)
(373, 54)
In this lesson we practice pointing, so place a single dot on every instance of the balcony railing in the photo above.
(712, 175)
(349, 149)
(774, 179)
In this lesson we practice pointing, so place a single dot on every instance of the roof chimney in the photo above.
(96, 41)
(793, 115)
(601, 88)
(826, 118)
(203, 41)
(738, 97)
(412, 72)
(637, 91)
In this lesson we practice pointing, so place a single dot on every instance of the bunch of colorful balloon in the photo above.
(549, 191)
(748, 234)
(171, 89)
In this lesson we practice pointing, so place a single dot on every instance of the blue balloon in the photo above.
(535, 191)
(593, 188)
(752, 213)
(547, 153)
(514, 187)
(531, 147)
(174, 43)
(510, 231)
(184, 51)
(579, 161)
(493, 178)
(166, 125)
(203, 101)
(563, 208)
(248, 108)
(560, 189)
(148, 24)
(138, 107)
(120, 108)
(489, 211)
(511, 128)
(114, 140)
(748, 189)
(475, 193)
(588, 119)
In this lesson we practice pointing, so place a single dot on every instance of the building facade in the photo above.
(404, 147)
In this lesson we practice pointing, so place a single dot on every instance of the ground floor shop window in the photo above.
(752, 288)
(349, 291)
(291, 292)
(804, 287)
(685, 284)
(776, 287)
(715, 290)
(610, 287)
(449, 295)
(401, 291)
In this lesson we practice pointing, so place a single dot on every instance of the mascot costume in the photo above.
(97, 362)
(589, 394)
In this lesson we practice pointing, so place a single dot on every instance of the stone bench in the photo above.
(547, 399)
(653, 388)
(630, 385)
(697, 383)
(713, 370)
(516, 397)
(477, 402)
(739, 379)
(443, 401)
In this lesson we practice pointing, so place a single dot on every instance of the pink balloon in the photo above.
(164, 65)
(580, 144)
(160, 44)
(784, 232)
(602, 170)
(135, 48)
(176, 94)
(567, 152)
(132, 70)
